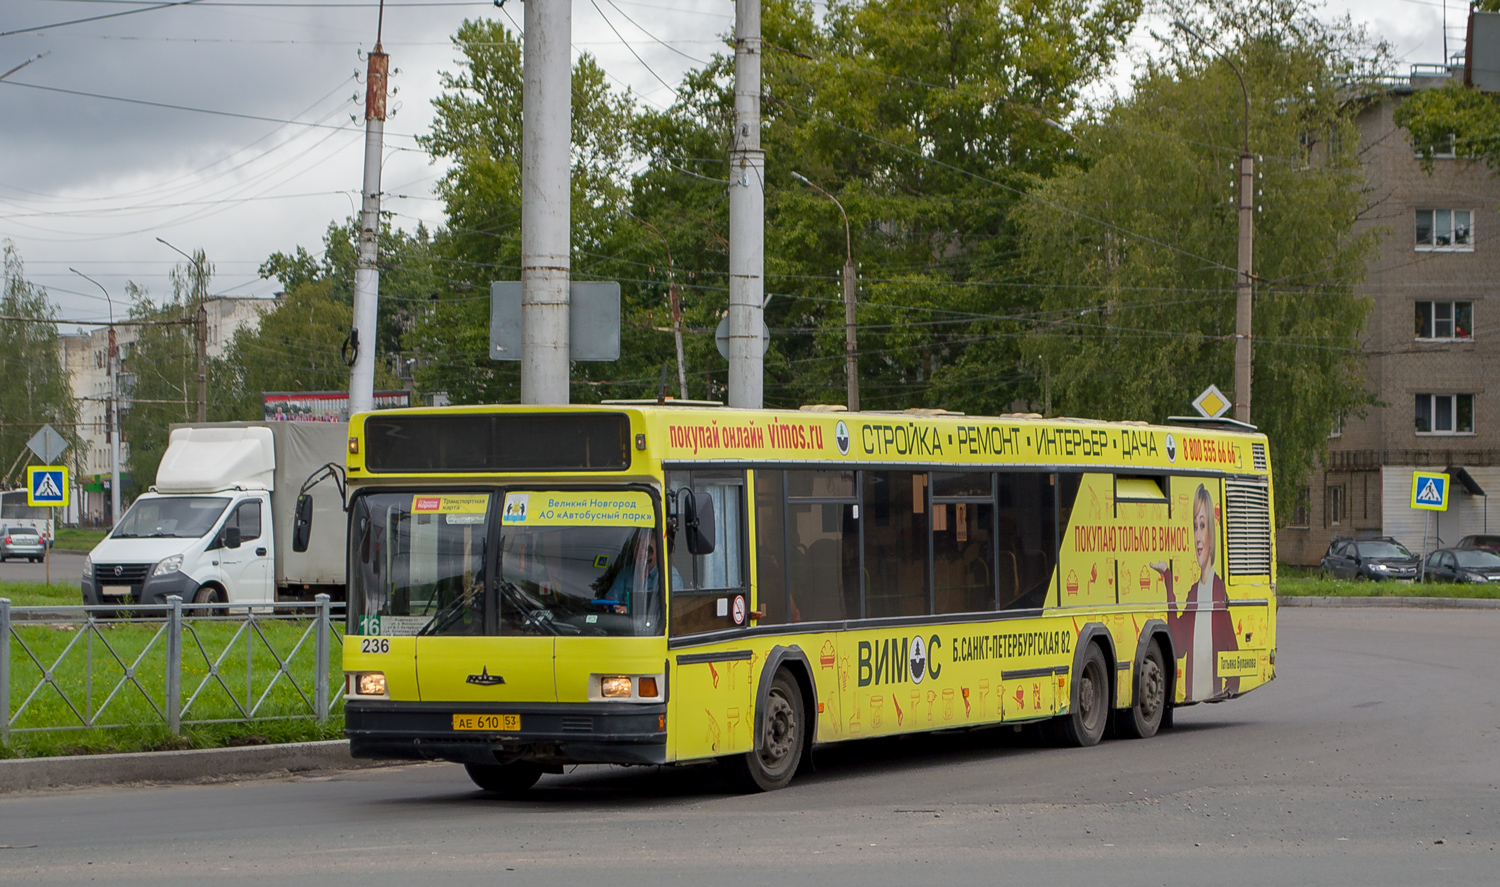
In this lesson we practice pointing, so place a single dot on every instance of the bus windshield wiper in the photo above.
(533, 617)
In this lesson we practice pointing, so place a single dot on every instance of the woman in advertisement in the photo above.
(1201, 640)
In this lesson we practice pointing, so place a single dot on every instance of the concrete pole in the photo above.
(546, 212)
(113, 412)
(747, 213)
(364, 333)
(851, 344)
(1243, 290)
(200, 339)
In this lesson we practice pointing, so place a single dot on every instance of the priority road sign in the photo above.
(47, 485)
(1429, 491)
(1212, 403)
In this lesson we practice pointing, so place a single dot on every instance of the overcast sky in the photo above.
(90, 182)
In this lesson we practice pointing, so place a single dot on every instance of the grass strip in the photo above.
(113, 674)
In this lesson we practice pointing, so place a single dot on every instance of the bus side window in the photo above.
(822, 546)
(1026, 526)
(702, 582)
(963, 543)
(895, 543)
(770, 546)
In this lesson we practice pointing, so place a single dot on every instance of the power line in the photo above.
(95, 18)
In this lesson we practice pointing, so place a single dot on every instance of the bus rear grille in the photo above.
(1248, 520)
(1258, 452)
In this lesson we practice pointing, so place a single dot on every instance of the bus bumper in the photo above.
(549, 734)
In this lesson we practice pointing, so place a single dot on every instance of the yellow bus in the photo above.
(827, 576)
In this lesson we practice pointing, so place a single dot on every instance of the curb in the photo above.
(191, 765)
(1419, 603)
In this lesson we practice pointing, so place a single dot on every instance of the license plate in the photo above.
(504, 723)
(115, 590)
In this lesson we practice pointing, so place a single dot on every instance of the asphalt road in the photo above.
(67, 567)
(1373, 759)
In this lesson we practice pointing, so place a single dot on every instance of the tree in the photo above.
(1135, 254)
(477, 130)
(928, 120)
(36, 389)
(159, 379)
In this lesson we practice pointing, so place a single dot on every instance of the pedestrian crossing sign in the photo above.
(1429, 491)
(47, 485)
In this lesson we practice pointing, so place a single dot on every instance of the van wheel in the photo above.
(505, 779)
(1084, 724)
(1143, 719)
(207, 594)
(778, 750)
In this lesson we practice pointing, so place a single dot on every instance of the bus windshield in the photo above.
(567, 564)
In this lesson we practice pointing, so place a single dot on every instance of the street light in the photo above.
(675, 301)
(201, 333)
(112, 409)
(851, 348)
(1243, 281)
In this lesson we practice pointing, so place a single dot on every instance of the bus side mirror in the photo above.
(231, 537)
(698, 521)
(302, 523)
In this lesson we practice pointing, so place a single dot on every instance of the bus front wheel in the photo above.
(1143, 719)
(778, 750)
(1084, 724)
(505, 779)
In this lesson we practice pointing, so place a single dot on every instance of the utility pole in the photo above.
(200, 326)
(851, 288)
(676, 305)
(747, 213)
(364, 334)
(1243, 279)
(111, 404)
(546, 211)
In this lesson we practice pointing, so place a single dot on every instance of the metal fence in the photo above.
(72, 668)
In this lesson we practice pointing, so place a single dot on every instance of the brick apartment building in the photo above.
(1432, 358)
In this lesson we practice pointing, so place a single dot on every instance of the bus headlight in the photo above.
(365, 683)
(614, 687)
(168, 565)
(634, 687)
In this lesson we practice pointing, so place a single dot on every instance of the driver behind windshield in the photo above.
(618, 597)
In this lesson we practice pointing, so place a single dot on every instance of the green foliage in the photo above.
(1136, 253)
(159, 379)
(36, 389)
(1456, 118)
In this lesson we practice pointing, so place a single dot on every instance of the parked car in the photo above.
(1488, 543)
(21, 542)
(1461, 565)
(1375, 559)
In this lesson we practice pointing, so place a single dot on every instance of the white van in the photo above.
(217, 526)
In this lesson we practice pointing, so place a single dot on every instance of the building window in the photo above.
(1445, 148)
(1445, 320)
(1445, 413)
(1333, 507)
(1302, 510)
(1445, 229)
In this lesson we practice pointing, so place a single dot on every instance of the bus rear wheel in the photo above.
(505, 779)
(1084, 724)
(1143, 719)
(778, 750)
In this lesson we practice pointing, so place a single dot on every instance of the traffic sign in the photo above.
(1212, 403)
(721, 338)
(47, 444)
(47, 485)
(1429, 491)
